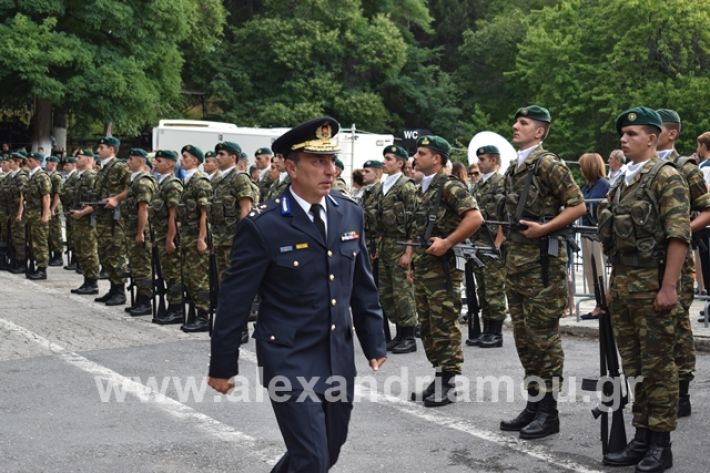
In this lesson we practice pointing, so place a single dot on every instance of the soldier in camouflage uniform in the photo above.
(14, 199)
(83, 223)
(243, 163)
(210, 165)
(536, 187)
(134, 208)
(282, 180)
(263, 162)
(194, 226)
(37, 212)
(111, 185)
(163, 221)
(371, 174)
(700, 205)
(55, 223)
(645, 233)
(4, 220)
(67, 196)
(490, 279)
(395, 203)
(340, 185)
(446, 214)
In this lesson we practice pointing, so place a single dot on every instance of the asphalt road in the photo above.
(85, 388)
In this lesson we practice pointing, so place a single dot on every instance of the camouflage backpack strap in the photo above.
(434, 209)
(532, 171)
(650, 177)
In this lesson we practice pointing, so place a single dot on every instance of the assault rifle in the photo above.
(465, 251)
(159, 288)
(614, 387)
(102, 203)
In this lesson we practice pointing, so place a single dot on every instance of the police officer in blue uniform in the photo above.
(304, 254)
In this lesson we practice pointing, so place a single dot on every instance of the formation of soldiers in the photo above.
(172, 238)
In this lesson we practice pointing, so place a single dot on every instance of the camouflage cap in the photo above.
(668, 115)
(535, 112)
(436, 143)
(638, 116)
(372, 163)
(488, 149)
(110, 141)
(264, 150)
(314, 137)
(194, 151)
(138, 152)
(228, 146)
(166, 154)
(397, 151)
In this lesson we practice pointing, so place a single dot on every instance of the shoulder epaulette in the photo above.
(337, 194)
(259, 210)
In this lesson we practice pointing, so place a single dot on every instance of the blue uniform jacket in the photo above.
(307, 287)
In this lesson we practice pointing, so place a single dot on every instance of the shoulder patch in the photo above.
(259, 210)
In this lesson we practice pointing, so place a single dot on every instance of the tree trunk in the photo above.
(42, 127)
(60, 130)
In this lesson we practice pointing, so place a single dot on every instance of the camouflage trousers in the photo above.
(69, 230)
(195, 269)
(87, 253)
(139, 262)
(535, 311)
(438, 309)
(396, 293)
(18, 239)
(490, 288)
(684, 353)
(170, 267)
(223, 255)
(55, 232)
(111, 243)
(39, 240)
(4, 227)
(646, 341)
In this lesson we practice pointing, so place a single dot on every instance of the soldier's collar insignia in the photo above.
(352, 235)
(632, 117)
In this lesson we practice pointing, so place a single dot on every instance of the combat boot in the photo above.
(444, 391)
(525, 417)
(494, 337)
(56, 259)
(40, 274)
(475, 342)
(18, 269)
(106, 296)
(658, 456)
(143, 306)
(118, 297)
(173, 315)
(200, 324)
(546, 421)
(396, 338)
(419, 396)
(89, 287)
(102, 273)
(684, 409)
(634, 451)
(407, 343)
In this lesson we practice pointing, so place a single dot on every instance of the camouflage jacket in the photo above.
(277, 188)
(489, 194)
(196, 195)
(84, 191)
(140, 190)
(553, 187)
(14, 187)
(264, 184)
(340, 185)
(227, 191)
(39, 185)
(396, 209)
(57, 181)
(3, 206)
(69, 190)
(369, 209)
(112, 179)
(167, 197)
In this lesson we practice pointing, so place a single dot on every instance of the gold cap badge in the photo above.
(425, 141)
(631, 116)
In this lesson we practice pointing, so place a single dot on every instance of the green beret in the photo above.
(372, 163)
(149, 163)
(339, 164)
(488, 149)
(264, 150)
(398, 151)
(314, 137)
(110, 141)
(53, 159)
(229, 146)
(535, 112)
(21, 155)
(85, 152)
(166, 154)
(638, 116)
(436, 143)
(243, 156)
(138, 152)
(37, 156)
(209, 154)
(70, 160)
(195, 151)
(668, 115)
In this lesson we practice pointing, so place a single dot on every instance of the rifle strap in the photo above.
(433, 211)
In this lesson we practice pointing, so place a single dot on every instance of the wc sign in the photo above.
(410, 137)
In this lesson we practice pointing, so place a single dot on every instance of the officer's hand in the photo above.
(201, 247)
(111, 203)
(170, 247)
(222, 385)
(666, 299)
(438, 247)
(534, 230)
(139, 239)
(375, 363)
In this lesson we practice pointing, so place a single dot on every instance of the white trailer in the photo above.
(358, 147)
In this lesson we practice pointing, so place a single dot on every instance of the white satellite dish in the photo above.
(486, 138)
